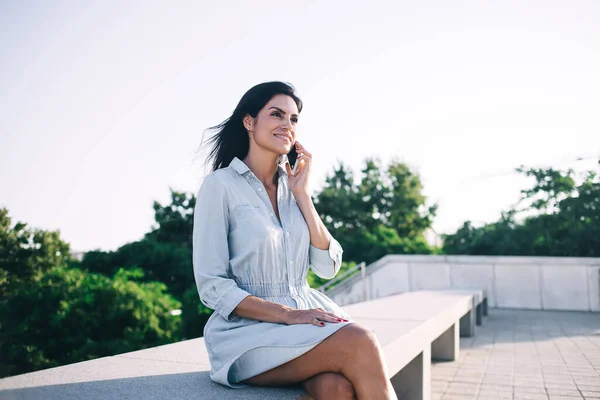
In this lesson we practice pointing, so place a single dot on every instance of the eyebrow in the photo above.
(283, 112)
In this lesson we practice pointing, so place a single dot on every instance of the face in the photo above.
(274, 128)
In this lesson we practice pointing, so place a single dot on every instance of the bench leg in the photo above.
(485, 307)
(446, 347)
(467, 324)
(479, 311)
(413, 382)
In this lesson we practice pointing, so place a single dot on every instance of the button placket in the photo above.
(263, 194)
(286, 242)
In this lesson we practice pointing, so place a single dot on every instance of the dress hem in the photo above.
(238, 385)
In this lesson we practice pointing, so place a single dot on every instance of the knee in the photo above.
(336, 386)
(361, 336)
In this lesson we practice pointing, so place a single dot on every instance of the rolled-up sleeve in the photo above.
(326, 263)
(211, 250)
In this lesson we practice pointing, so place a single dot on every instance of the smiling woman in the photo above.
(256, 234)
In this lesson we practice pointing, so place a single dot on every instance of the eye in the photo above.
(276, 113)
(295, 120)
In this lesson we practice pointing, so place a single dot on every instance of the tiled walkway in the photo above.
(525, 355)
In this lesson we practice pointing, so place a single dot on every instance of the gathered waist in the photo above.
(275, 289)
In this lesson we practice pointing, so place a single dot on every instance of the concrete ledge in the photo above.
(140, 377)
(411, 328)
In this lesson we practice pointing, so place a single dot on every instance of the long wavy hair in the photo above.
(230, 138)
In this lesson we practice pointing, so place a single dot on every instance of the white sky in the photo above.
(102, 104)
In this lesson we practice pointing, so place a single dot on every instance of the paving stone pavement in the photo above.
(517, 354)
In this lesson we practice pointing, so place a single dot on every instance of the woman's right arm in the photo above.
(263, 310)
(211, 250)
(211, 264)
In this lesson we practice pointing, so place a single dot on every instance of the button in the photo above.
(288, 233)
(271, 214)
(260, 189)
(291, 262)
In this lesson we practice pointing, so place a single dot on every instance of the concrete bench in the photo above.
(480, 310)
(413, 328)
(437, 317)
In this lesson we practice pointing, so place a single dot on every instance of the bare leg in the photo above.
(353, 351)
(329, 386)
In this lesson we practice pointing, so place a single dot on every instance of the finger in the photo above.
(336, 317)
(330, 318)
(301, 164)
(327, 316)
(287, 168)
(303, 156)
(318, 323)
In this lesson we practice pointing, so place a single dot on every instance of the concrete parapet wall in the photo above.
(536, 283)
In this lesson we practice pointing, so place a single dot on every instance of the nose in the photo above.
(287, 125)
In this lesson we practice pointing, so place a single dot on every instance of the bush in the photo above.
(70, 315)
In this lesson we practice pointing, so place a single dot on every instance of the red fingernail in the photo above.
(322, 323)
(340, 320)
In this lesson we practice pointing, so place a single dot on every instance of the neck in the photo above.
(263, 165)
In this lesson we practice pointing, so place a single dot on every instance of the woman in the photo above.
(256, 232)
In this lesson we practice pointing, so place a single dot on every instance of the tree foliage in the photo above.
(164, 254)
(26, 253)
(556, 216)
(383, 213)
(52, 314)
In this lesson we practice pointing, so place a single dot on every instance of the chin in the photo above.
(284, 149)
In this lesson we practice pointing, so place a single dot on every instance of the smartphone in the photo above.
(292, 158)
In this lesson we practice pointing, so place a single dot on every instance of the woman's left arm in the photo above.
(325, 253)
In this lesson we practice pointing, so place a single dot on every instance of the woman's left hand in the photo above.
(299, 183)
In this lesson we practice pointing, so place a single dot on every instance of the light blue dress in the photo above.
(240, 248)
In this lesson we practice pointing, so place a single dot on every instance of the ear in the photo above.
(248, 122)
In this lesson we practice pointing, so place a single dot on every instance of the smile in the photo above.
(283, 137)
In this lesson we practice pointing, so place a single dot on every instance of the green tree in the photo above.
(52, 314)
(169, 263)
(70, 315)
(165, 253)
(174, 221)
(556, 216)
(26, 253)
(385, 213)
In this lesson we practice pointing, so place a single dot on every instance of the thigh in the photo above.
(329, 385)
(327, 356)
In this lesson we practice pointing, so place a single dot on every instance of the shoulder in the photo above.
(218, 181)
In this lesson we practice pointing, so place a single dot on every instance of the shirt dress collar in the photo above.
(241, 168)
